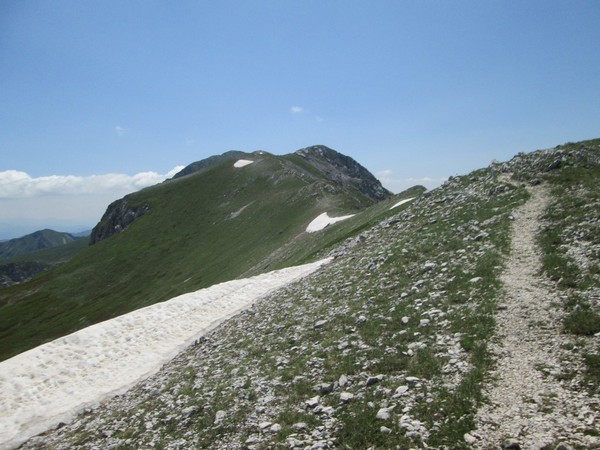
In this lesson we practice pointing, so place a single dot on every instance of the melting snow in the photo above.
(242, 163)
(324, 220)
(402, 202)
(53, 382)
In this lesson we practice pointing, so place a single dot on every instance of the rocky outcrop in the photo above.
(118, 216)
(15, 273)
(345, 171)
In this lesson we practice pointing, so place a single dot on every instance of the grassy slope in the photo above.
(52, 255)
(187, 241)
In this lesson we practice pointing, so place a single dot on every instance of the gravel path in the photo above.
(529, 407)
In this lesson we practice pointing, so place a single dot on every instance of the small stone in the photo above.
(376, 379)
(323, 388)
(385, 430)
(300, 426)
(511, 444)
(424, 322)
(563, 446)
(405, 320)
(275, 428)
(475, 280)
(293, 442)
(219, 416)
(343, 345)
(418, 284)
(345, 397)
(343, 381)
(189, 411)
(320, 409)
(313, 402)
(412, 379)
(428, 266)
(401, 390)
(383, 414)
(320, 323)
(264, 425)
(361, 319)
(469, 439)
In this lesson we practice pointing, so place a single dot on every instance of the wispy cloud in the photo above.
(296, 109)
(119, 130)
(396, 184)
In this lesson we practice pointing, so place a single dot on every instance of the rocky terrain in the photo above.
(470, 319)
(19, 272)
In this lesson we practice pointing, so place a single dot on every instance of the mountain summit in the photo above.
(326, 172)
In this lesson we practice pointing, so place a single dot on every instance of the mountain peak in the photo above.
(344, 170)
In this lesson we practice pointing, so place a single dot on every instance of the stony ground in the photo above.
(434, 329)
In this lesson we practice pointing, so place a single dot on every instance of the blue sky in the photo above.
(99, 98)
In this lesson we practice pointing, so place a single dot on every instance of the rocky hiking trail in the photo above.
(529, 407)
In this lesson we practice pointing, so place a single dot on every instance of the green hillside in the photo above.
(213, 225)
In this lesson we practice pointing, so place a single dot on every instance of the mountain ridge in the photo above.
(212, 225)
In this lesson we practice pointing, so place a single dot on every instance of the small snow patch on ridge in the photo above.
(323, 221)
(402, 202)
(242, 162)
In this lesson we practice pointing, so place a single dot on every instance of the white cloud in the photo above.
(120, 130)
(396, 185)
(296, 109)
(17, 184)
(70, 202)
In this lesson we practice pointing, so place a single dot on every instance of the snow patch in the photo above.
(52, 383)
(402, 202)
(242, 162)
(323, 221)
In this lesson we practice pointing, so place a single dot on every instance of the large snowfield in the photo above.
(53, 382)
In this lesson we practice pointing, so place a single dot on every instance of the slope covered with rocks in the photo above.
(399, 342)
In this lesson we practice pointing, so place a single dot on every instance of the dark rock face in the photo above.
(15, 273)
(344, 171)
(118, 216)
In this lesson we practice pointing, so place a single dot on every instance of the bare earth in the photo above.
(528, 402)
